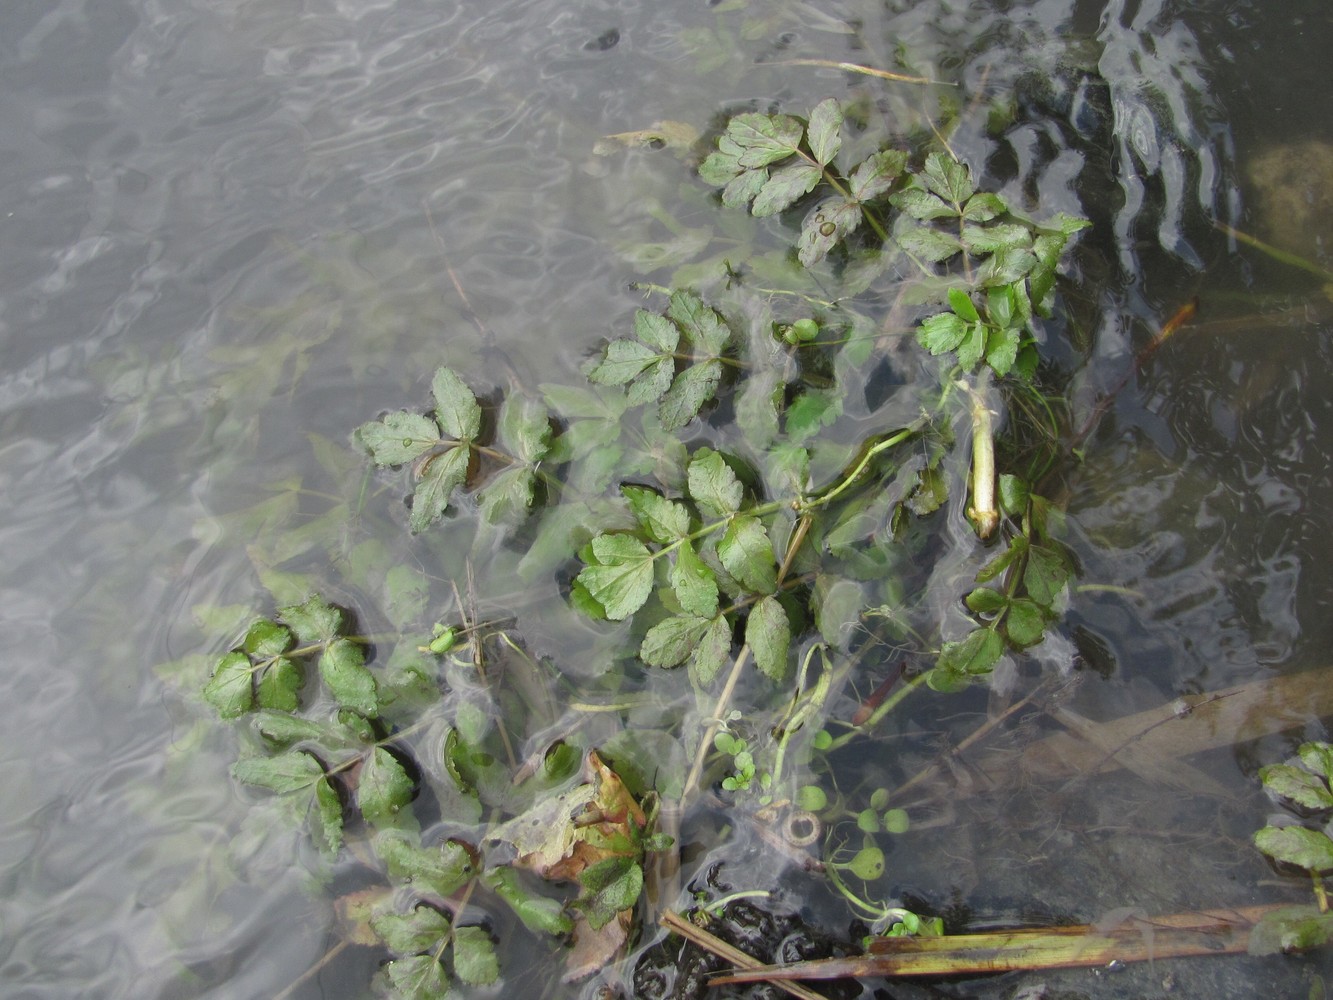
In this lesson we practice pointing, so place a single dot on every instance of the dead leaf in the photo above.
(353, 912)
(596, 949)
(671, 134)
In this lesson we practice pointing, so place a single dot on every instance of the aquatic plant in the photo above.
(777, 544)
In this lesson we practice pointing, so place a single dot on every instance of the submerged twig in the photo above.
(714, 945)
(882, 74)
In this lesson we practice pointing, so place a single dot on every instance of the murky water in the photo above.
(231, 231)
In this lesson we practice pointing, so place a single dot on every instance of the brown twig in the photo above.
(714, 945)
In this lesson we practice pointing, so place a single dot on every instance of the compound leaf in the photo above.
(784, 187)
(279, 685)
(672, 641)
(418, 977)
(439, 871)
(713, 651)
(827, 223)
(420, 930)
(691, 389)
(1295, 845)
(665, 520)
(315, 621)
(1300, 786)
(610, 886)
(693, 583)
(764, 139)
(877, 174)
(619, 576)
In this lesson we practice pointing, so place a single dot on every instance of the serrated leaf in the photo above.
(623, 361)
(421, 930)
(977, 654)
(877, 174)
(1046, 574)
(665, 520)
(327, 818)
(984, 206)
(942, 332)
(961, 303)
(610, 886)
(947, 178)
(440, 871)
(455, 405)
(693, 583)
(714, 650)
(824, 227)
(538, 913)
(284, 773)
(231, 688)
(282, 729)
(315, 621)
(1297, 785)
(930, 245)
(1014, 493)
(720, 167)
(653, 383)
(265, 639)
(1018, 547)
(279, 685)
(691, 389)
(399, 438)
(441, 476)
(702, 325)
(1005, 266)
(1002, 350)
(811, 412)
(918, 203)
(1291, 928)
(475, 962)
(986, 601)
(418, 977)
(672, 641)
(768, 633)
(764, 139)
(823, 132)
(508, 496)
(1024, 623)
(1295, 845)
(384, 788)
(342, 666)
(1002, 236)
(620, 577)
(743, 187)
(524, 428)
(784, 187)
(1318, 757)
(747, 554)
(713, 485)
(973, 346)
(656, 331)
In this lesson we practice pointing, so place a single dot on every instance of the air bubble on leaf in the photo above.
(827, 229)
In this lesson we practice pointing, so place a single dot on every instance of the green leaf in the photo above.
(656, 331)
(672, 641)
(619, 576)
(508, 496)
(266, 639)
(342, 665)
(764, 139)
(1291, 928)
(419, 977)
(941, 333)
(384, 788)
(285, 773)
(838, 605)
(700, 322)
(947, 178)
(691, 389)
(1025, 623)
(474, 956)
(713, 485)
(540, 914)
(438, 871)
(327, 818)
(768, 634)
(747, 554)
(665, 520)
(1295, 845)
(399, 438)
(693, 583)
(929, 245)
(983, 207)
(610, 886)
(742, 188)
(1002, 350)
(1046, 574)
(1002, 236)
(1297, 785)
(653, 383)
(827, 224)
(455, 406)
(279, 685)
(1005, 266)
(1018, 548)
(714, 651)
(721, 166)
(823, 131)
(917, 203)
(975, 655)
(421, 930)
(972, 347)
(315, 621)
(1014, 494)
(524, 428)
(961, 303)
(622, 362)
(1318, 757)
(985, 601)
(231, 689)
(811, 412)
(877, 174)
(439, 478)
(784, 187)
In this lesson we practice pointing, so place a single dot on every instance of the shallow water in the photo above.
(232, 231)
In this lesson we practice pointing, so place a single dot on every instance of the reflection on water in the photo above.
(234, 230)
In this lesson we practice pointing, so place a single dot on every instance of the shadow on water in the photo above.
(236, 230)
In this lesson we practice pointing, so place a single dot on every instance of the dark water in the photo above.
(234, 230)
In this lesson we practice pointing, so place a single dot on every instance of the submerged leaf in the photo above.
(701, 323)
(384, 788)
(782, 189)
(747, 553)
(824, 227)
(420, 930)
(419, 977)
(691, 389)
(438, 871)
(1295, 845)
(665, 520)
(474, 956)
(672, 641)
(693, 582)
(619, 576)
(231, 689)
(768, 633)
(610, 886)
(441, 476)
(279, 685)
(342, 665)
(538, 913)
(455, 405)
(764, 139)
(315, 621)
(823, 131)
(327, 817)
(1299, 786)
(399, 438)
(284, 773)
(877, 174)
(713, 485)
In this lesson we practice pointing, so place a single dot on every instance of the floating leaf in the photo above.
(714, 650)
(231, 689)
(930, 245)
(1302, 787)
(314, 622)
(713, 485)
(623, 361)
(538, 913)
(784, 187)
(284, 773)
(877, 174)
(439, 871)
(768, 633)
(619, 574)
(439, 478)
(691, 389)
(524, 428)
(1295, 845)
(384, 788)
(419, 977)
(693, 583)
(672, 641)
(265, 639)
(508, 496)
(327, 817)
(419, 930)
(700, 322)
(455, 405)
(984, 206)
(342, 665)
(827, 223)
(399, 438)
(764, 139)
(279, 685)
(474, 956)
(609, 886)
(823, 132)
(747, 554)
(918, 203)
(947, 178)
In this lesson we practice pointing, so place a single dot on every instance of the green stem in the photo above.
(846, 482)
(885, 707)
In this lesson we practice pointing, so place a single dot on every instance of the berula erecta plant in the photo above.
(782, 543)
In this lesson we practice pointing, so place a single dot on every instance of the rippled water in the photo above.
(230, 231)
